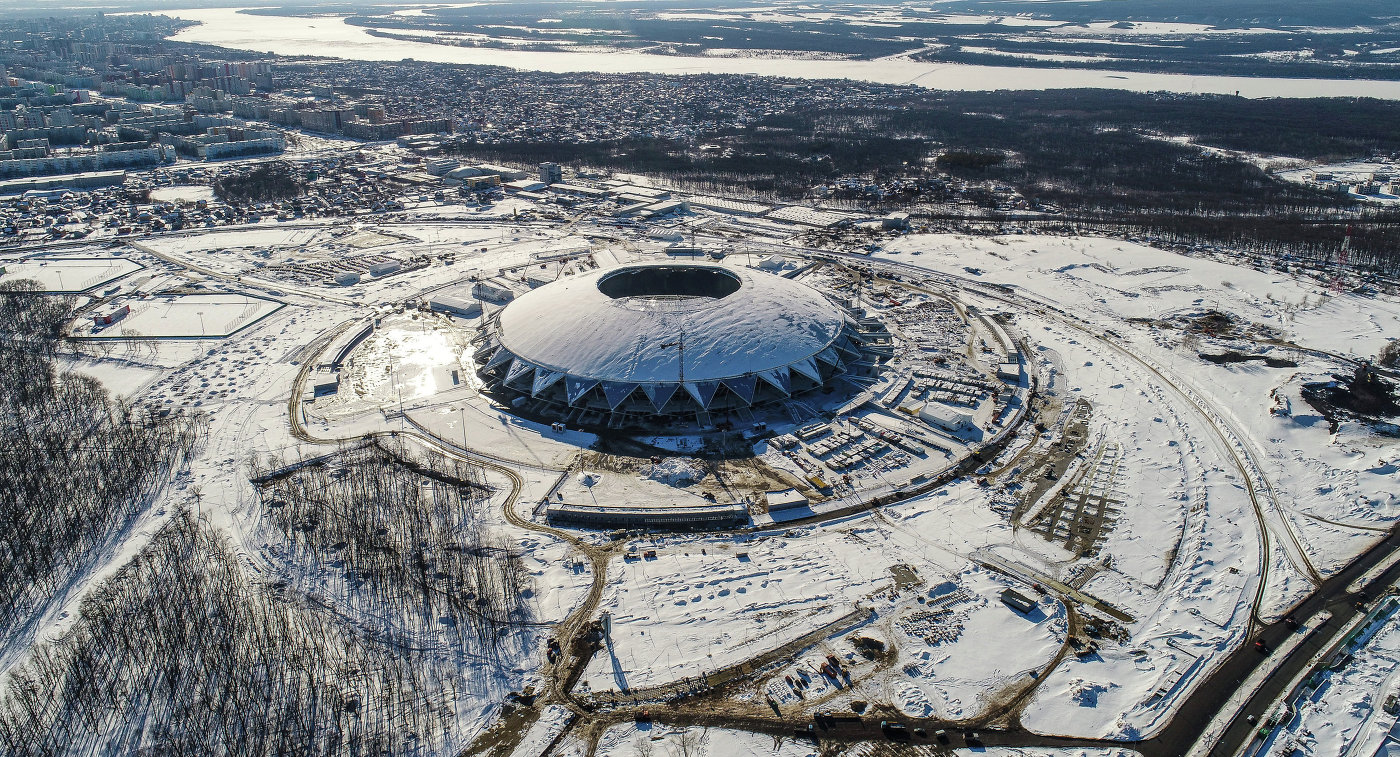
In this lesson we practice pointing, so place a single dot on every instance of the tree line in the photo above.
(380, 608)
(79, 465)
(182, 653)
(264, 182)
(1155, 163)
(380, 532)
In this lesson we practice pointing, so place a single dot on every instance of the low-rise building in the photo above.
(1017, 601)
(453, 305)
(525, 185)
(649, 516)
(111, 316)
(945, 417)
(488, 290)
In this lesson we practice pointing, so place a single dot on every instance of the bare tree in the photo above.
(1389, 355)
(688, 743)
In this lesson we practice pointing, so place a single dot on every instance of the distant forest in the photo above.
(1092, 149)
(1099, 155)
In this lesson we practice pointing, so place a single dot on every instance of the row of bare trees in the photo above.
(78, 465)
(381, 608)
(381, 534)
(182, 654)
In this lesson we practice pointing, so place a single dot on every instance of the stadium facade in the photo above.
(656, 343)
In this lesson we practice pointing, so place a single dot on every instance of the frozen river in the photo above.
(329, 36)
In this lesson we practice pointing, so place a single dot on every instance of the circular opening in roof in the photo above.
(669, 282)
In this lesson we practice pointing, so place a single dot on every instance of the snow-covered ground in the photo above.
(1181, 559)
(1345, 714)
(1183, 424)
(660, 741)
(1177, 569)
(703, 604)
(1112, 279)
(551, 723)
(939, 636)
(234, 243)
(189, 315)
(191, 193)
(68, 273)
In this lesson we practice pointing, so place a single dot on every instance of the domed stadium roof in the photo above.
(630, 338)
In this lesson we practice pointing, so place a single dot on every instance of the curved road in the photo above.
(1181, 732)
(562, 674)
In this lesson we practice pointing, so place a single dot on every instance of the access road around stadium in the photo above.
(1271, 523)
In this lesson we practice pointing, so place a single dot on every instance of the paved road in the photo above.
(1196, 712)
(1185, 727)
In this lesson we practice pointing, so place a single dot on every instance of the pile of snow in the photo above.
(1086, 694)
(677, 471)
(913, 701)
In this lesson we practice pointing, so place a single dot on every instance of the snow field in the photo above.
(1346, 478)
(1106, 280)
(189, 315)
(607, 489)
(1181, 481)
(698, 607)
(405, 360)
(552, 722)
(68, 274)
(529, 444)
(963, 679)
(1183, 508)
(233, 242)
(659, 740)
(955, 653)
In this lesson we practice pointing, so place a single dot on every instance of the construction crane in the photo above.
(679, 344)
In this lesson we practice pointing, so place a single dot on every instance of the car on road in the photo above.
(893, 730)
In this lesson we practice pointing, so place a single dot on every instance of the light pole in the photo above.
(200, 313)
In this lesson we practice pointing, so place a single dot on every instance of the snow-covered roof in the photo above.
(636, 335)
(945, 416)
